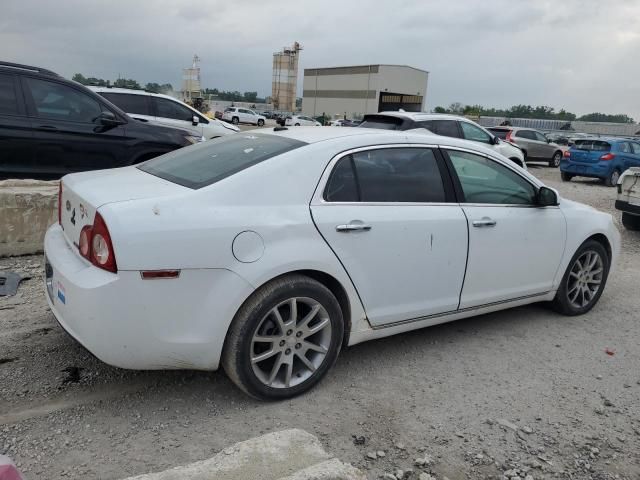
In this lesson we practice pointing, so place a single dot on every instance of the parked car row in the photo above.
(534, 144)
(50, 126)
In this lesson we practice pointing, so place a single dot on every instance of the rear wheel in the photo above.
(297, 125)
(284, 339)
(555, 160)
(260, 123)
(566, 177)
(631, 222)
(584, 280)
(612, 179)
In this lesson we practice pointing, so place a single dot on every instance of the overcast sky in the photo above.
(581, 55)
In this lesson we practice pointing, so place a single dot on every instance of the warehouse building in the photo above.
(357, 90)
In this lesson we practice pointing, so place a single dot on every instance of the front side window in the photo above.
(473, 133)
(446, 128)
(387, 175)
(209, 162)
(625, 147)
(636, 148)
(486, 181)
(540, 137)
(60, 102)
(8, 98)
(170, 109)
(137, 104)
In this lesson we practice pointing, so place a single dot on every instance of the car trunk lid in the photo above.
(589, 151)
(84, 193)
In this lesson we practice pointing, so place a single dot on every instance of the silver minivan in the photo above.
(534, 144)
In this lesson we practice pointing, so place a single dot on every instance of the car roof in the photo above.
(131, 91)
(416, 116)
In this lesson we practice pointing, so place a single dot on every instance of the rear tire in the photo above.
(555, 160)
(583, 281)
(269, 328)
(612, 179)
(260, 123)
(297, 124)
(566, 177)
(631, 222)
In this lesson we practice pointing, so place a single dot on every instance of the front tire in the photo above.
(260, 123)
(235, 120)
(284, 338)
(555, 160)
(631, 222)
(566, 177)
(612, 179)
(297, 124)
(584, 280)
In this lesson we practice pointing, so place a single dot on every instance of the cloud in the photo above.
(575, 54)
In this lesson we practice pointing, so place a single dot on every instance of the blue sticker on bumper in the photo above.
(61, 295)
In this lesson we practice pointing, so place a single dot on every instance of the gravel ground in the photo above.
(510, 394)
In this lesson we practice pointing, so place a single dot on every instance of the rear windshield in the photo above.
(385, 123)
(499, 132)
(594, 145)
(208, 162)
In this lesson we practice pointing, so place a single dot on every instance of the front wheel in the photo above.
(284, 338)
(235, 120)
(555, 160)
(566, 177)
(612, 179)
(631, 222)
(584, 280)
(261, 123)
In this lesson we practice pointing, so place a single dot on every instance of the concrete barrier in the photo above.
(27, 208)
(287, 455)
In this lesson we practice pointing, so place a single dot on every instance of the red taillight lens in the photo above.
(60, 203)
(508, 136)
(95, 245)
(566, 154)
(607, 156)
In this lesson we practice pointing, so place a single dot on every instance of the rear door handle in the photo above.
(484, 222)
(353, 227)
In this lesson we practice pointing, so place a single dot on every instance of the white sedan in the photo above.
(301, 121)
(267, 252)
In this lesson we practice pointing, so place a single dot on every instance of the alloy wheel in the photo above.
(615, 175)
(291, 342)
(585, 279)
(556, 159)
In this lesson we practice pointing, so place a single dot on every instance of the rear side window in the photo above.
(8, 98)
(129, 103)
(528, 134)
(636, 148)
(625, 147)
(209, 162)
(593, 145)
(382, 122)
(387, 175)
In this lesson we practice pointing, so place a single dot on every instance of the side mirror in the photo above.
(547, 197)
(107, 119)
(548, 140)
(195, 120)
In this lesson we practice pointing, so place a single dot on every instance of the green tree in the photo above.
(440, 110)
(603, 117)
(127, 83)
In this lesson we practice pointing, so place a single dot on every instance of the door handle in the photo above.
(484, 222)
(353, 227)
(48, 127)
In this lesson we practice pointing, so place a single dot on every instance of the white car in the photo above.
(628, 201)
(447, 125)
(268, 251)
(164, 110)
(301, 121)
(238, 115)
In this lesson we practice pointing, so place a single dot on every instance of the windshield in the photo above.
(208, 162)
(594, 145)
(385, 123)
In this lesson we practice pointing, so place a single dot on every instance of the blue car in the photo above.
(604, 158)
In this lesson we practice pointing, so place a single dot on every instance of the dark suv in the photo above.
(50, 126)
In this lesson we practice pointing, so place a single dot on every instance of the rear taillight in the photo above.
(508, 136)
(566, 154)
(95, 245)
(607, 156)
(60, 203)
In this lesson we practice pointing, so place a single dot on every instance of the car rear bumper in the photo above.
(627, 207)
(141, 324)
(594, 170)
